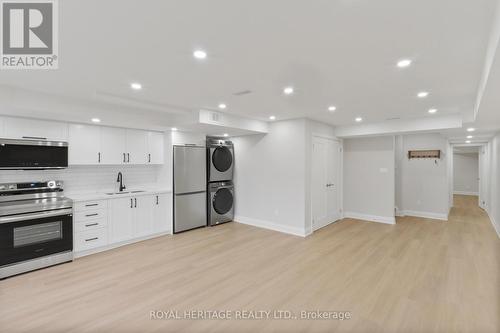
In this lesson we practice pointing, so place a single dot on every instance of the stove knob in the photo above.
(51, 184)
(12, 187)
(2, 187)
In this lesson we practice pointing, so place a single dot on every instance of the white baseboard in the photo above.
(370, 218)
(466, 193)
(494, 223)
(425, 215)
(302, 232)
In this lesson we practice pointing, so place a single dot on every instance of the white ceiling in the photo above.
(340, 52)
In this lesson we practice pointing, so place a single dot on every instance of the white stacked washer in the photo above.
(220, 188)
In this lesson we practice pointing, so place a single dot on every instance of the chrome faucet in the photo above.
(120, 180)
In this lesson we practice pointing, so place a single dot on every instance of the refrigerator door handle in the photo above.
(188, 193)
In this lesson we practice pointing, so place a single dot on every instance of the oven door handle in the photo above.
(34, 216)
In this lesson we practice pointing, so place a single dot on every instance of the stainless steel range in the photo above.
(36, 226)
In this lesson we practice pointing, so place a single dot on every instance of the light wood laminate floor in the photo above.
(416, 276)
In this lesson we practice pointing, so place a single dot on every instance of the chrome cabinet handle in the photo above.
(135, 202)
(131, 203)
(128, 157)
(149, 158)
(91, 225)
(124, 160)
(90, 205)
(92, 239)
(89, 215)
(99, 157)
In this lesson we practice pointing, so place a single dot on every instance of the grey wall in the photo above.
(466, 173)
(270, 177)
(424, 182)
(368, 179)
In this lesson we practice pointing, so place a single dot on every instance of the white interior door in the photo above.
(325, 182)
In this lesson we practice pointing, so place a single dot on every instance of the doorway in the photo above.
(470, 174)
(325, 182)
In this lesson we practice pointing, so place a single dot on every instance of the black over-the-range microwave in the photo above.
(33, 154)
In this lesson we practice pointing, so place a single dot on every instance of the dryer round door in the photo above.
(222, 201)
(222, 158)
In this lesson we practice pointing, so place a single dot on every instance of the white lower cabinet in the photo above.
(121, 219)
(104, 224)
(162, 212)
(142, 216)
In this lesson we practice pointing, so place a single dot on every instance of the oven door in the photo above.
(28, 154)
(29, 236)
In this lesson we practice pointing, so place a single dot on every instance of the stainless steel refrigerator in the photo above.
(190, 186)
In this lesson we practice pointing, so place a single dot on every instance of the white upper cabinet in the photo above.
(155, 148)
(136, 146)
(21, 128)
(113, 145)
(84, 144)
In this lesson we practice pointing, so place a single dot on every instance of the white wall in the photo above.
(369, 179)
(466, 173)
(270, 177)
(494, 189)
(424, 182)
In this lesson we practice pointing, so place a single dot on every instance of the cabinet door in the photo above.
(162, 213)
(143, 216)
(21, 128)
(113, 145)
(155, 147)
(120, 220)
(84, 144)
(136, 147)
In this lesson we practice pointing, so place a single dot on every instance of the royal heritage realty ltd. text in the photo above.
(249, 315)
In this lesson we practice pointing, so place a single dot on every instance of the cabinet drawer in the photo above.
(90, 205)
(91, 239)
(90, 215)
(91, 225)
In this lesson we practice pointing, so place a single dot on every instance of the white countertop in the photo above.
(101, 195)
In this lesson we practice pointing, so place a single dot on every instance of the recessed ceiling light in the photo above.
(96, 120)
(432, 111)
(471, 129)
(332, 108)
(226, 135)
(469, 136)
(404, 63)
(222, 106)
(174, 129)
(288, 90)
(136, 86)
(422, 94)
(468, 141)
(200, 54)
(359, 119)
(272, 118)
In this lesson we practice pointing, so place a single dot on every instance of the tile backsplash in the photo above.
(90, 178)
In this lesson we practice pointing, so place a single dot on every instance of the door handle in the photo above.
(157, 200)
(99, 157)
(149, 158)
(124, 160)
(128, 157)
(135, 202)
(131, 203)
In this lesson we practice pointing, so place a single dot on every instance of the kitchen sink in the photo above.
(125, 192)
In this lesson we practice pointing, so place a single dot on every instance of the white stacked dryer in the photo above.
(220, 188)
